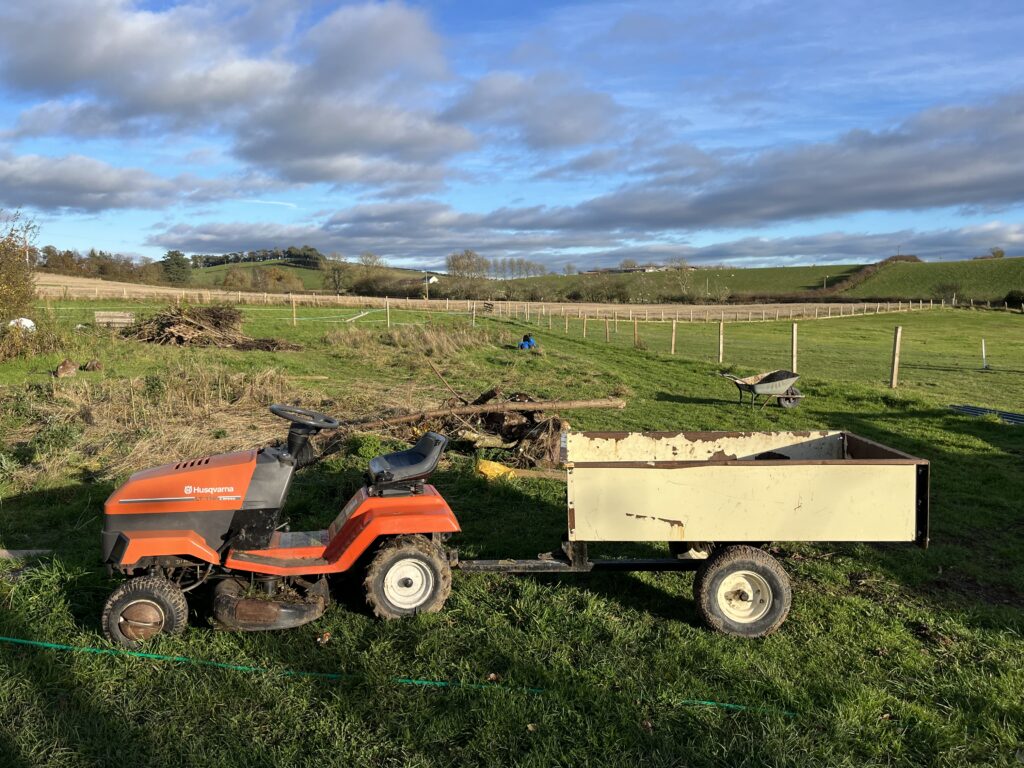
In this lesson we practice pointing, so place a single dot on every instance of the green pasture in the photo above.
(893, 655)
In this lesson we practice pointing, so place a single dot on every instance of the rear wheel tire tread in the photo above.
(400, 548)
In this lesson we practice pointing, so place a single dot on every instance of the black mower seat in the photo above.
(411, 465)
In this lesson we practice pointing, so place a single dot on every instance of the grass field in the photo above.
(981, 280)
(891, 656)
(312, 279)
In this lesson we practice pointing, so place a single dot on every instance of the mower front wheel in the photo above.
(143, 607)
(408, 575)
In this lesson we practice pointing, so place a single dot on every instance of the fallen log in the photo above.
(466, 410)
(480, 440)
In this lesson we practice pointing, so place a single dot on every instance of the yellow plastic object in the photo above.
(492, 469)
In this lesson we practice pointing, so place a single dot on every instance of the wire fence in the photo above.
(525, 310)
(856, 348)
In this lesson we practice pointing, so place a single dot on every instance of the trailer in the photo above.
(717, 498)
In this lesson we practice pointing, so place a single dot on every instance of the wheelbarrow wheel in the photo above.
(790, 399)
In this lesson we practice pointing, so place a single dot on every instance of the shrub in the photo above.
(17, 286)
(16, 342)
(1015, 298)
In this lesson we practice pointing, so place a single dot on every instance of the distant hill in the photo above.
(700, 284)
(394, 279)
(979, 279)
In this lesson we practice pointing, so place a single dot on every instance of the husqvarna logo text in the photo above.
(195, 489)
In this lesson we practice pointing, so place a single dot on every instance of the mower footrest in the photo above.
(280, 562)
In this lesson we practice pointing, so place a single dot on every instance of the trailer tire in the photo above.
(407, 575)
(742, 591)
(143, 607)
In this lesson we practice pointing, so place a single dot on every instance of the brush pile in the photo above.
(513, 425)
(526, 438)
(215, 326)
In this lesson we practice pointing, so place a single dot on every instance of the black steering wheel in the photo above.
(303, 417)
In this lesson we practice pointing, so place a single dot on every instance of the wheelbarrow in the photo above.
(777, 384)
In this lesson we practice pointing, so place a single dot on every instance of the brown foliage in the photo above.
(215, 326)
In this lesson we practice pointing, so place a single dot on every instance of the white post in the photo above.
(895, 377)
(794, 349)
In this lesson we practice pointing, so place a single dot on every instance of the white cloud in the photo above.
(545, 110)
(79, 183)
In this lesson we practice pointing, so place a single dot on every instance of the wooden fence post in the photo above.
(672, 348)
(794, 349)
(585, 326)
(636, 333)
(566, 323)
(896, 339)
(387, 310)
(607, 330)
(293, 307)
(721, 341)
(473, 321)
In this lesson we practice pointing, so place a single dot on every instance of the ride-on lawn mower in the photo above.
(714, 497)
(174, 527)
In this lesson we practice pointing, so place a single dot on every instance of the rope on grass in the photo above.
(341, 676)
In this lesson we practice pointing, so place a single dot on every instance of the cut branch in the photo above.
(465, 410)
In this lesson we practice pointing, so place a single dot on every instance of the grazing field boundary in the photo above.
(60, 287)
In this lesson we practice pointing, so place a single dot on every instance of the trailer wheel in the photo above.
(143, 607)
(743, 591)
(408, 575)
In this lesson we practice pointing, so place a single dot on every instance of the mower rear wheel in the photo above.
(143, 607)
(408, 575)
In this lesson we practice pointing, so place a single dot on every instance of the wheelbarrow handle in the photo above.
(729, 376)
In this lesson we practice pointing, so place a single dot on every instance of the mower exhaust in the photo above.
(232, 609)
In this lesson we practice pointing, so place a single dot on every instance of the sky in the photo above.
(747, 133)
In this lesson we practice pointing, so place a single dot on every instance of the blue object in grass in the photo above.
(528, 342)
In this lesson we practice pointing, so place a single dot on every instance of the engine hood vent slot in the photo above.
(192, 464)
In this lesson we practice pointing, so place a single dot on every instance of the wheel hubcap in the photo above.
(408, 584)
(744, 596)
(141, 620)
